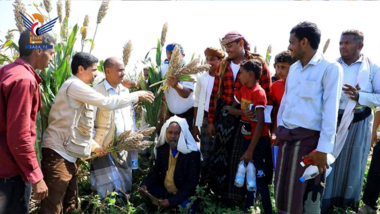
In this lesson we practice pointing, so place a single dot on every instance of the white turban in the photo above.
(186, 142)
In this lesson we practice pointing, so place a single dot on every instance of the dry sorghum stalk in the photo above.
(103, 10)
(85, 25)
(47, 4)
(19, 7)
(326, 46)
(68, 8)
(127, 49)
(59, 10)
(163, 34)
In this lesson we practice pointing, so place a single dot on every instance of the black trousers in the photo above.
(372, 188)
(14, 195)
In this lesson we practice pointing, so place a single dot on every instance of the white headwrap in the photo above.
(186, 142)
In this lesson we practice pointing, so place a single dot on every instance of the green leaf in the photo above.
(4, 58)
(101, 66)
(59, 75)
(71, 40)
(7, 43)
(15, 46)
(267, 58)
(186, 78)
(58, 54)
(158, 53)
(192, 57)
(147, 54)
(92, 43)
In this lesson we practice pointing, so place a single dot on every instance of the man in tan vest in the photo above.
(110, 173)
(69, 134)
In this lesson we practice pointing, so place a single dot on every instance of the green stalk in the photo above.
(157, 83)
(93, 40)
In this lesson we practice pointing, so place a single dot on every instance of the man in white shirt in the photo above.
(109, 173)
(179, 98)
(360, 93)
(69, 134)
(306, 121)
(202, 94)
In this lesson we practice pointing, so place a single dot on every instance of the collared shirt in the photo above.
(231, 84)
(123, 121)
(176, 103)
(350, 75)
(311, 99)
(123, 117)
(370, 94)
(19, 105)
(169, 178)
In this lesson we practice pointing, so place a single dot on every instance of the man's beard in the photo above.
(173, 142)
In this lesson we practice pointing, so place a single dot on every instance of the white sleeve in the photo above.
(372, 99)
(189, 85)
(197, 92)
(86, 94)
(332, 86)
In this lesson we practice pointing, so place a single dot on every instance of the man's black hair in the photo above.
(308, 30)
(84, 59)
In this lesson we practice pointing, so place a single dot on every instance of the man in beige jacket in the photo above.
(69, 134)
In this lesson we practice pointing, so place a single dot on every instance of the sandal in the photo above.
(366, 209)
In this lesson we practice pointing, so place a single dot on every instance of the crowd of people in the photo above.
(311, 108)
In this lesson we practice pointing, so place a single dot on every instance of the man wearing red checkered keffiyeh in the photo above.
(223, 126)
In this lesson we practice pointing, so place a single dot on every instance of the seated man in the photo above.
(175, 174)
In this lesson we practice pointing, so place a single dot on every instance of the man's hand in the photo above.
(247, 156)
(352, 92)
(196, 133)
(211, 130)
(276, 142)
(127, 83)
(40, 190)
(164, 204)
(142, 191)
(99, 152)
(374, 139)
(248, 114)
(172, 81)
(146, 95)
(319, 159)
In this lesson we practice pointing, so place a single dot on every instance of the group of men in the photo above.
(318, 107)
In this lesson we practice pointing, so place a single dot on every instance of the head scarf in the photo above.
(210, 51)
(234, 36)
(170, 47)
(186, 142)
